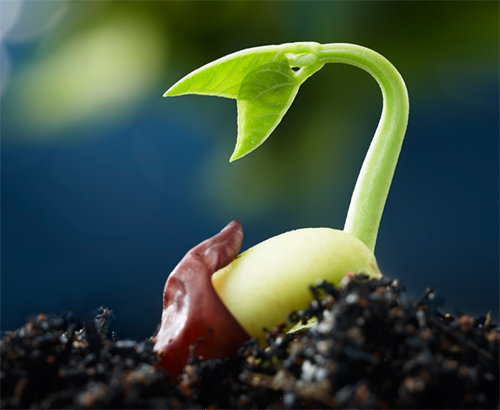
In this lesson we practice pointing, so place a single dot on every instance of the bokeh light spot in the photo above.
(9, 16)
(36, 18)
(96, 76)
(4, 69)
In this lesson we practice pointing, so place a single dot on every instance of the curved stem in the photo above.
(375, 177)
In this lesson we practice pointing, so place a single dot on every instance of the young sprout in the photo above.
(262, 285)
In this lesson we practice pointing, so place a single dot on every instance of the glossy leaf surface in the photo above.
(264, 97)
(262, 81)
(223, 77)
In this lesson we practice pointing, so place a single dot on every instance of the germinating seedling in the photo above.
(258, 288)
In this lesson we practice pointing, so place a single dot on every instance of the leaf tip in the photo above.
(234, 157)
(238, 153)
(170, 92)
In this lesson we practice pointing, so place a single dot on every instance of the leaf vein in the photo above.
(279, 72)
(229, 75)
(265, 91)
(255, 130)
(254, 60)
(271, 104)
(211, 78)
(228, 88)
(263, 115)
(259, 83)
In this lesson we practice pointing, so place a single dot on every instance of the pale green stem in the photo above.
(375, 177)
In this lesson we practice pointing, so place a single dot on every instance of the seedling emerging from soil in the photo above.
(260, 287)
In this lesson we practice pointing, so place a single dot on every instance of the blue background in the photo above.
(99, 206)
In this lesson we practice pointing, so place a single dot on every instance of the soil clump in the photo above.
(371, 347)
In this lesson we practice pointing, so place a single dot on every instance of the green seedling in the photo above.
(262, 285)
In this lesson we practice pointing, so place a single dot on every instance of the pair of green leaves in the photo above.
(263, 80)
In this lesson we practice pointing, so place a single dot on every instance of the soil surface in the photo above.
(371, 347)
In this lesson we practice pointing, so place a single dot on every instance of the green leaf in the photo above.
(262, 81)
(223, 77)
(264, 97)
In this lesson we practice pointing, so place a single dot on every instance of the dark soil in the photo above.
(371, 348)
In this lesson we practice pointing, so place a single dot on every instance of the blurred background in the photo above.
(106, 185)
